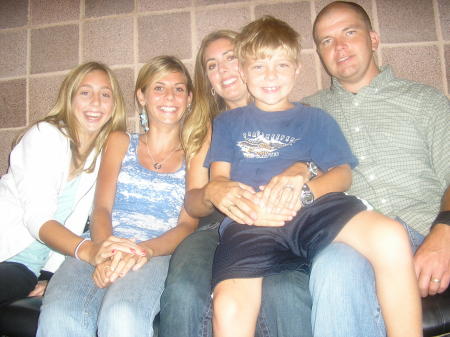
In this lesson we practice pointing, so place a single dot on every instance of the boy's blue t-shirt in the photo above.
(261, 144)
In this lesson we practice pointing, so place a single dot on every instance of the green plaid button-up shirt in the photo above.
(400, 132)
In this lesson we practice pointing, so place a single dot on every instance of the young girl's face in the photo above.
(223, 73)
(166, 99)
(93, 103)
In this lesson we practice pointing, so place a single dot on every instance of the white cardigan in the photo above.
(39, 167)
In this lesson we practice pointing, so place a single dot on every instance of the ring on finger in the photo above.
(435, 280)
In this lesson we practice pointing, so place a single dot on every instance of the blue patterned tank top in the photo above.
(147, 203)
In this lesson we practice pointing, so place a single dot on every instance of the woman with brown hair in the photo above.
(185, 302)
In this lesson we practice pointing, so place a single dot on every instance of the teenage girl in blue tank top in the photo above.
(139, 197)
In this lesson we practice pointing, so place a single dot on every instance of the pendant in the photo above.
(157, 166)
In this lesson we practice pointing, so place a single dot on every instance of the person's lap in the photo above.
(186, 297)
(342, 294)
(74, 306)
(185, 304)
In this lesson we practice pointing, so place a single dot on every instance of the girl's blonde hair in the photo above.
(154, 70)
(61, 115)
(207, 105)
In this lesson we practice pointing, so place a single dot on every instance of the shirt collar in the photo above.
(386, 74)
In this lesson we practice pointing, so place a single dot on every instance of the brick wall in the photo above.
(40, 40)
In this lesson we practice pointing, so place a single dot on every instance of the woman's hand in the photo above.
(122, 263)
(39, 290)
(282, 194)
(100, 252)
(234, 199)
(270, 219)
(102, 274)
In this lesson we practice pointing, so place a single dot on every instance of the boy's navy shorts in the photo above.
(257, 251)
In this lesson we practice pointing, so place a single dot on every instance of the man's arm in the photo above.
(432, 259)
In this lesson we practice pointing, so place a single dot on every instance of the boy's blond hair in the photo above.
(260, 38)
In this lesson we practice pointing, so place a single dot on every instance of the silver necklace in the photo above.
(158, 165)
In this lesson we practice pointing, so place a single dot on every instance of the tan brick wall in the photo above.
(40, 40)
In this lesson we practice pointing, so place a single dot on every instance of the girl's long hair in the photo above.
(62, 116)
(207, 106)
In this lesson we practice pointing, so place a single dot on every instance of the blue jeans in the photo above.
(342, 287)
(74, 306)
(342, 303)
(185, 303)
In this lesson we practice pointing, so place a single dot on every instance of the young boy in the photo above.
(254, 143)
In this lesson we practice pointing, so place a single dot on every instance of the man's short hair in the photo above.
(351, 5)
(260, 38)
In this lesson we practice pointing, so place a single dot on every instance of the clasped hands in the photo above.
(116, 257)
(273, 205)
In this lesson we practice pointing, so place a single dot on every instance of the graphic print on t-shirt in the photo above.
(256, 144)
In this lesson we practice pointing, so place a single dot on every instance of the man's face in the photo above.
(346, 45)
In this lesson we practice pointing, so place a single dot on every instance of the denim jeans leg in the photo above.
(132, 302)
(414, 236)
(187, 295)
(342, 286)
(286, 306)
(71, 302)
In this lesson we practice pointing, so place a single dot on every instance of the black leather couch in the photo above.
(20, 318)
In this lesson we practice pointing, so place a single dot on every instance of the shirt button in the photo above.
(371, 177)
(362, 157)
(356, 103)
(383, 201)
(357, 129)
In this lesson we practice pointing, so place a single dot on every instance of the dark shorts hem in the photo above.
(236, 273)
(261, 251)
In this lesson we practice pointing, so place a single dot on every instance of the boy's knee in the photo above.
(225, 307)
(392, 237)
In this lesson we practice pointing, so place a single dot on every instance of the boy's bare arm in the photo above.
(337, 179)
